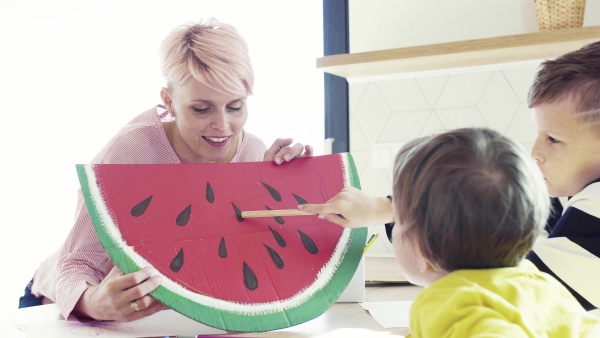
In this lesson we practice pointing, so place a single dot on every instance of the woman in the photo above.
(208, 79)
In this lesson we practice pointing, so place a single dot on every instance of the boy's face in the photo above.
(566, 150)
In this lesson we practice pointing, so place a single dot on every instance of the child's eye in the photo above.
(552, 139)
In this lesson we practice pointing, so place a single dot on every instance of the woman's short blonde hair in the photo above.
(211, 52)
(469, 199)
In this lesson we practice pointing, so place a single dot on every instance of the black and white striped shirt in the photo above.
(571, 252)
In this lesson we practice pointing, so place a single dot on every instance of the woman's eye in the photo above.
(201, 110)
(234, 108)
(552, 139)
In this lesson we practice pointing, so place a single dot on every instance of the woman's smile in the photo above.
(219, 141)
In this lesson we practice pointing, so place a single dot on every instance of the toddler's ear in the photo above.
(423, 264)
(427, 266)
(430, 271)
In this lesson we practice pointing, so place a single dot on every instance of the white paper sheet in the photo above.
(45, 321)
(389, 314)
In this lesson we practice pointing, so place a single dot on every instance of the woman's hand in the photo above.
(281, 151)
(120, 297)
(353, 208)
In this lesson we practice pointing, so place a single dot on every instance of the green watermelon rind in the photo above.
(243, 317)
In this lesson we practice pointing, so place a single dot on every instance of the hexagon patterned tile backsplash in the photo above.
(386, 114)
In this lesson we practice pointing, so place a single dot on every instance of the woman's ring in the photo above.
(135, 306)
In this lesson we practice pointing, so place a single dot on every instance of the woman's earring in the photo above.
(172, 115)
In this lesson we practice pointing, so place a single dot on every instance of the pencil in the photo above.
(275, 213)
(371, 240)
(370, 243)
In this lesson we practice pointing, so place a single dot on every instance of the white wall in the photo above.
(72, 72)
(384, 114)
(386, 24)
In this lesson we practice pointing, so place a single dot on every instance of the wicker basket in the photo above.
(559, 14)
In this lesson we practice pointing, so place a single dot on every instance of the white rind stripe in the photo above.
(568, 260)
(323, 277)
(345, 165)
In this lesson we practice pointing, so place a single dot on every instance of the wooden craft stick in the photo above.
(275, 213)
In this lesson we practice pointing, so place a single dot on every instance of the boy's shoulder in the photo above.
(587, 200)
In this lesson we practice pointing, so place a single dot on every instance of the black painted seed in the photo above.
(274, 193)
(210, 195)
(275, 257)
(177, 262)
(184, 216)
(250, 279)
(139, 209)
(278, 238)
(238, 212)
(300, 199)
(222, 248)
(309, 244)
(277, 219)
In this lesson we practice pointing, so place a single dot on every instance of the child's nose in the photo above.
(536, 154)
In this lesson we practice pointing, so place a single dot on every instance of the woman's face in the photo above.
(207, 123)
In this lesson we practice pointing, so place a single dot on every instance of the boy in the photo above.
(565, 103)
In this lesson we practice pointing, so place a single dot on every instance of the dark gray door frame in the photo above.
(336, 41)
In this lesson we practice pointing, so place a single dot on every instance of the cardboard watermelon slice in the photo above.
(254, 274)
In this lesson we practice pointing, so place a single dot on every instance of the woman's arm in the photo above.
(88, 285)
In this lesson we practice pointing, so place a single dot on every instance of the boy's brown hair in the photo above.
(469, 199)
(574, 76)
